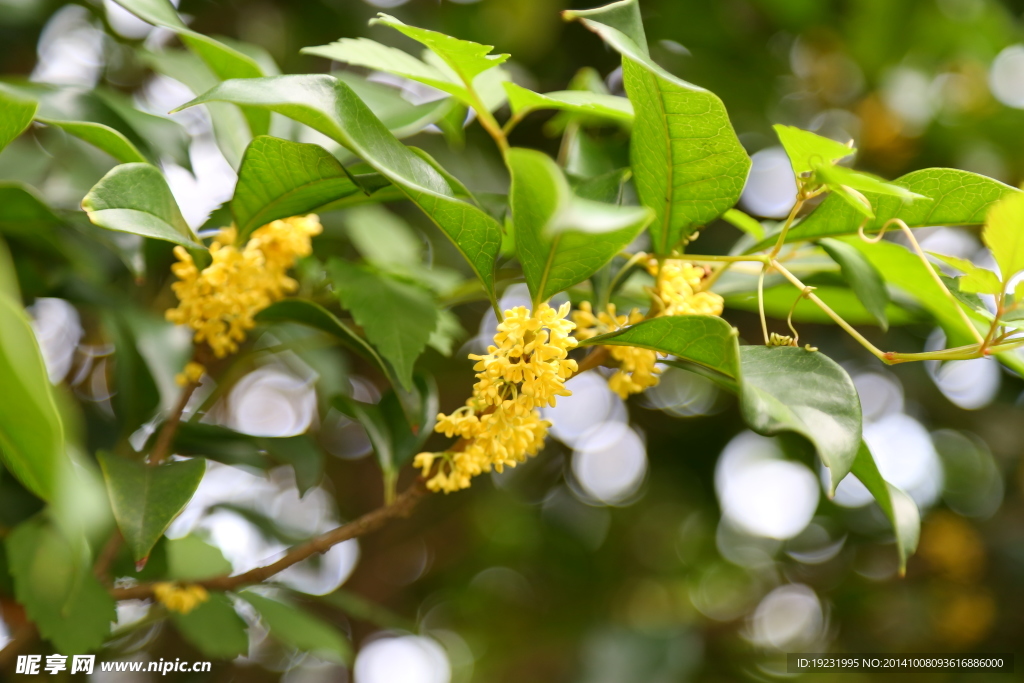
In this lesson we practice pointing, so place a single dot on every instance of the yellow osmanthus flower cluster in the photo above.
(679, 291)
(219, 301)
(192, 373)
(180, 599)
(500, 425)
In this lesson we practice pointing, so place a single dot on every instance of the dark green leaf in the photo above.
(15, 116)
(314, 315)
(302, 453)
(787, 389)
(331, 107)
(397, 318)
(137, 396)
(279, 178)
(54, 582)
(687, 162)
(111, 141)
(561, 239)
(898, 506)
(863, 278)
(214, 628)
(701, 339)
(31, 431)
(24, 213)
(146, 499)
(299, 629)
(135, 198)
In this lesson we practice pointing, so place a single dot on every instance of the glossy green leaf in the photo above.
(146, 499)
(863, 278)
(807, 150)
(370, 54)
(303, 631)
(976, 280)
(225, 61)
(899, 508)
(687, 162)
(314, 315)
(54, 582)
(31, 430)
(746, 223)
(704, 340)
(135, 198)
(103, 137)
(787, 389)
(561, 239)
(1003, 234)
(611, 107)
(465, 58)
(402, 117)
(214, 628)
(331, 107)
(958, 198)
(279, 179)
(397, 318)
(15, 116)
(849, 185)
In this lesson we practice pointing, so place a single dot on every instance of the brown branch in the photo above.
(368, 523)
(22, 637)
(592, 360)
(107, 556)
(164, 440)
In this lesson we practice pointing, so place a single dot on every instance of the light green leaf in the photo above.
(561, 239)
(214, 628)
(449, 330)
(787, 389)
(1003, 234)
(612, 107)
(370, 54)
(279, 179)
(111, 141)
(402, 117)
(135, 198)
(746, 223)
(383, 238)
(703, 340)
(958, 198)
(146, 499)
(687, 162)
(15, 116)
(53, 581)
(193, 559)
(398, 318)
(225, 61)
(863, 278)
(976, 280)
(299, 629)
(314, 315)
(331, 107)
(849, 185)
(778, 301)
(807, 150)
(899, 508)
(31, 431)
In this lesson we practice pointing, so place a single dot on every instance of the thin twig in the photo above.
(164, 440)
(107, 556)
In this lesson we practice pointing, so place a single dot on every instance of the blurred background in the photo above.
(654, 540)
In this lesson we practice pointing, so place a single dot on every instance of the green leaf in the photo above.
(746, 223)
(331, 107)
(703, 340)
(370, 54)
(849, 184)
(976, 280)
(31, 431)
(370, 416)
(561, 239)
(900, 508)
(958, 198)
(612, 107)
(15, 116)
(778, 301)
(279, 179)
(863, 278)
(807, 150)
(402, 117)
(1003, 234)
(24, 213)
(301, 630)
(316, 316)
(135, 198)
(687, 162)
(146, 499)
(54, 582)
(225, 61)
(302, 453)
(398, 318)
(214, 628)
(193, 559)
(787, 389)
(108, 139)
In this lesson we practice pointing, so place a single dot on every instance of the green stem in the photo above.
(751, 258)
(786, 226)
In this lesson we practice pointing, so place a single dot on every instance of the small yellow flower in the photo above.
(192, 374)
(679, 289)
(637, 367)
(500, 425)
(180, 599)
(220, 301)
